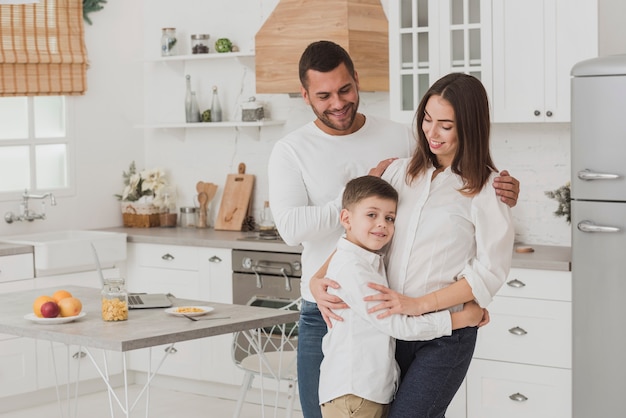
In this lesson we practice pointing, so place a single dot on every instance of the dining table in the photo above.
(144, 328)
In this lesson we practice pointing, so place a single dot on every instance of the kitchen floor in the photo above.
(164, 403)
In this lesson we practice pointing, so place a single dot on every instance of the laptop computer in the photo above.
(138, 300)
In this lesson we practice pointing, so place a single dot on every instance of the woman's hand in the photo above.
(507, 187)
(325, 301)
(392, 302)
(381, 167)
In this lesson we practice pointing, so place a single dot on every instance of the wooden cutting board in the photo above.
(235, 200)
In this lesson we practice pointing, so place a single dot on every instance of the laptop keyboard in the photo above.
(135, 300)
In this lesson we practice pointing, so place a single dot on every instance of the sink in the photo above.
(70, 251)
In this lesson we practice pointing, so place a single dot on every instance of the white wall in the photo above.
(104, 125)
(122, 88)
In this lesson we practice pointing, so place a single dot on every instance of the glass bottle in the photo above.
(266, 225)
(114, 300)
(188, 100)
(168, 42)
(216, 107)
(195, 111)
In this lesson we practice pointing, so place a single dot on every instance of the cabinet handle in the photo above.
(518, 397)
(518, 284)
(171, 349)
(215, 259)
(79, 355)
(518, 331)
(549, 113)
(167, 257)
(537, 113)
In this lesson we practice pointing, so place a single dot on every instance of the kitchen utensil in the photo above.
(202, 199)
(204, 319)
(235, 201)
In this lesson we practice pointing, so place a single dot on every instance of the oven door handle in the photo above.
(267, 267)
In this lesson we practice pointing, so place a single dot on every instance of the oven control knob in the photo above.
(246, 263)
(296, 265)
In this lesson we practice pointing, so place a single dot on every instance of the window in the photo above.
(34, 144)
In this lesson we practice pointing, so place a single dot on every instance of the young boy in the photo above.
(359, 372)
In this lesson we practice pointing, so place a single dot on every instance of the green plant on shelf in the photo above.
(562, 196)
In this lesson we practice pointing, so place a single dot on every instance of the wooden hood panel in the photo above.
(360, 26)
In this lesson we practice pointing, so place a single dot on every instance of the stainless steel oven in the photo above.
(265, 278)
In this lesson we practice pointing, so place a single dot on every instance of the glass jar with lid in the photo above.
(200, 43)
(114, 300)
(168, 42)
(188, 217)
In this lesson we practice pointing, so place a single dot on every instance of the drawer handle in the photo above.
(215, 259)
(171, 349)
(518, 397)
(79, 355)
(518, 331)
(518, 284)
(167, 257)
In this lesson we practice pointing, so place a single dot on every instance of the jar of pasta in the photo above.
(114, 300)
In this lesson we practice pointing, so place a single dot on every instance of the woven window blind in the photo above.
(42, 49)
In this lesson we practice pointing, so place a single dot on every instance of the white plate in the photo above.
(50, 321)
(175, 310)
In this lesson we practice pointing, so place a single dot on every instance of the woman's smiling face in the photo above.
(439, 126)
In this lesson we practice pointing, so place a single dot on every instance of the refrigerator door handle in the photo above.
(588, 226)
(590, 175)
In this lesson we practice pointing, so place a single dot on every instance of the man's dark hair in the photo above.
(323, 56)
(363, 187)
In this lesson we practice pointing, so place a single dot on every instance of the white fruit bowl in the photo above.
(70, 251)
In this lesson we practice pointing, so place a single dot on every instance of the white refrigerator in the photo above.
(598, 208)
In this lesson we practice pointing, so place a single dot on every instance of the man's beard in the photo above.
(332, 125)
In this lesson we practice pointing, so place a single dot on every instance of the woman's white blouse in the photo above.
(442, 235)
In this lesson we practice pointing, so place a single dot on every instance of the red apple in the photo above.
(50, 310)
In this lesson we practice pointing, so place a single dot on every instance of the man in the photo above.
(307, 172)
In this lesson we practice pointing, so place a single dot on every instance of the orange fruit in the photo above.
(40, 301)
(61, 294)
(70, 306)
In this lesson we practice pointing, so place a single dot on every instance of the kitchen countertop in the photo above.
(544, 257)
(204, 238)
(14, 249)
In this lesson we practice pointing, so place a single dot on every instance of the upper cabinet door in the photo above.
(430, 38)
(535, 45)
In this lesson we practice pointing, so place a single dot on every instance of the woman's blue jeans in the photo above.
(312, 329)
(431, 373)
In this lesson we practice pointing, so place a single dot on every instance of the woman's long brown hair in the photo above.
(472, 161)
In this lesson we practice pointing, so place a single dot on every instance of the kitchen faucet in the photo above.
(26, 214)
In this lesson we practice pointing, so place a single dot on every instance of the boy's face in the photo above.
(370, 223)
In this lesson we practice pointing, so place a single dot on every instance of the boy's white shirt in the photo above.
(359, 352)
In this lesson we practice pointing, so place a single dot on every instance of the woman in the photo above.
(453, 241)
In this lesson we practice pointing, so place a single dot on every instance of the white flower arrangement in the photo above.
(146, 187)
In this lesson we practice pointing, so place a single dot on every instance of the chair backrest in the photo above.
(277, 338)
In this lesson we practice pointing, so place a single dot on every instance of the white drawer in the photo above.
(497, 390)
(16, 267)
(167, 256)
(527, 331)
(538, 284)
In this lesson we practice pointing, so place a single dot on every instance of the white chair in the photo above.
(273, 348)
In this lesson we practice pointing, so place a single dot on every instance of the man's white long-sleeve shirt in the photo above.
(359, 352)
(308, 170)
(441, 235)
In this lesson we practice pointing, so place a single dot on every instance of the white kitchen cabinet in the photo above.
(535, 45)
(431, 38)
(523, 357)
(186, 272)
(16, 267)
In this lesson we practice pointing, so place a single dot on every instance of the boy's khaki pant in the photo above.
(352, 406)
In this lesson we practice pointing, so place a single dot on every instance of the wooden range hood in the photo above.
(360, 26)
